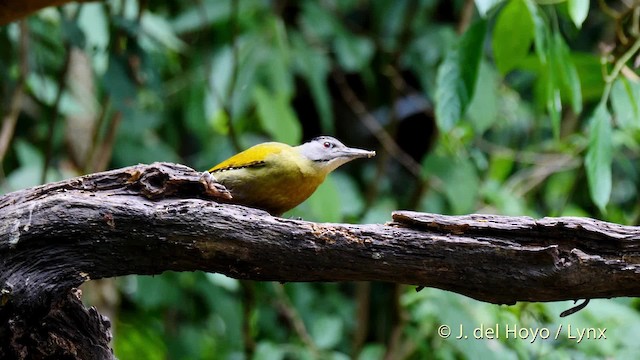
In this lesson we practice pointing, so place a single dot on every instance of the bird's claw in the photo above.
(213, 187)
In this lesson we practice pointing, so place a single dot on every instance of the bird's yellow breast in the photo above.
(269, 176)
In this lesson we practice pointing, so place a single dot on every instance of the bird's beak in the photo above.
(353, 153)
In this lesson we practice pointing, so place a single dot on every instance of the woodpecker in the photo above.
(277, 177)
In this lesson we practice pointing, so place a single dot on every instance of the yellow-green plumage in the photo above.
(254, 180)
(277, 177)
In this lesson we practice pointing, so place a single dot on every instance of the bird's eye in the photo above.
(327, 145)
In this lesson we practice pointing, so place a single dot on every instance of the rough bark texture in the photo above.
(147, 219)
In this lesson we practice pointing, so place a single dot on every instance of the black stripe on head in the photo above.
(322, 137)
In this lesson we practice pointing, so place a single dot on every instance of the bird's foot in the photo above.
(213, 187)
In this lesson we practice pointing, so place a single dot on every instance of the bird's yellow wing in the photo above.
(252, 157)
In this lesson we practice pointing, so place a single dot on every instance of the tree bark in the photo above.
(148, 219)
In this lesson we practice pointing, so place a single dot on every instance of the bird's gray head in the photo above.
(328, 153)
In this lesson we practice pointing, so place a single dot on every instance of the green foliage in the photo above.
(512, 35)
(511, 110)
(277, 117)
(485, 5)
(625, 102)
(598, 160)
(457, 77)
(578, 10)
(461, 176)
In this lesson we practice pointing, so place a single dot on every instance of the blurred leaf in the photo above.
(155, 292)
(220, 75)
(326, 331)
(216, 149)
(277, 117)
(590, 75)
(31, 164)
(574, 210)
(380, 212)
(192, 342)
(599, 157)
(501, 165)
(568, 72)
(250, 62)
(317, 21)
(137, 338)
(558, 190)
(28, 155)
(433, 202)
(485, 5)
(139, 123)
(460, 177)
(223, 281)
(43, 88)
(483, 109)
(323, 205)
(146, 148)
(278, 60)
(268, 351)
(92, 20)
(335, 355)
(504, 199)
(427, 51)
(457, 76)
(541, 31)
(625, 101)
(558, 79)
(128, 25)
(353, 52)
(314, 67)
(220, 122)
(552, 83)
(72, 33)
(252, 56)
(350, 198)
(193, 111)
(513, 34)
(201, 15)
(119, 85)
(578, 10)
(49, 53)
(390, 20)
(372, 352)
(159, 29)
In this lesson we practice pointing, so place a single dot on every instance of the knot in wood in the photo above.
(154, 183)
